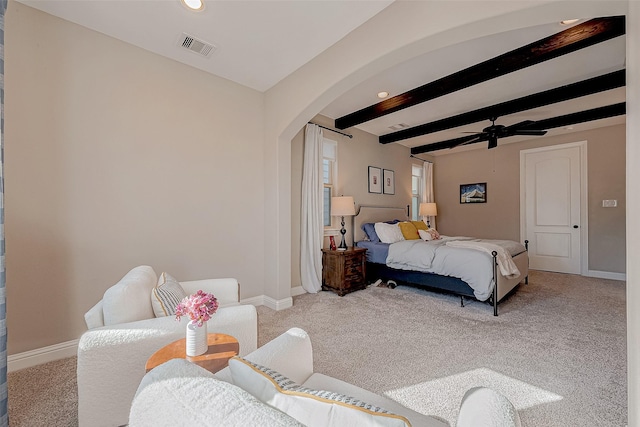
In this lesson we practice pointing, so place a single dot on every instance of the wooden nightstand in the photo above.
(343, 271)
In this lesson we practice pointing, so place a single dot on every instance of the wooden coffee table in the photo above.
(222, 347)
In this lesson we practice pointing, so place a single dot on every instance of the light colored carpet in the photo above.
(557, 350)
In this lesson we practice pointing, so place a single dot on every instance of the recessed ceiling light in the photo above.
(193, 4)
(383, 94)
(569, 21)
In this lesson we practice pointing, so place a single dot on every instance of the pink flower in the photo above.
(199, 307)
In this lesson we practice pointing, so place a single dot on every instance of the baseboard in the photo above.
(272, 303)
(42, 355)
(298, 290)
(278, 305)
(606, 275)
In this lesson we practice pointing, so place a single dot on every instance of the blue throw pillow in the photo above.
(370, 231)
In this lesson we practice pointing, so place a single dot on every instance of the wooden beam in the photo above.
(554, 122)
(563, 93)
(570, 40)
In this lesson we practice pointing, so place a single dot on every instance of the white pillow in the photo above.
(166, 296)
(430, 234)
(425, 235)
(128, 300)
(388, 233)
(313, 408)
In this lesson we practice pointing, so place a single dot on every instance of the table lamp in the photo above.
(342, 206)
(428, 209)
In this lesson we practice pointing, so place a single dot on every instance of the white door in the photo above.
(552, 203)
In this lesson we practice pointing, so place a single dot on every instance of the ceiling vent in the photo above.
(399, 126)
(195, 45)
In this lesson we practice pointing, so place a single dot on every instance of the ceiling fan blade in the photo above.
(464, 140)
(524, 124)
(479, 138)
(531, 132)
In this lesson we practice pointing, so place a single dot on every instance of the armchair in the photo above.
(123, 333)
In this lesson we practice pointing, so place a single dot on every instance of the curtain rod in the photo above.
(428, 161)
(332, 130)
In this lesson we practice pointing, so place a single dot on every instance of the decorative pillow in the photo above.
(425, 235)
(388, 233)
(313, 408)
(420, 225)
(370, 230)
(409, 231)
(434, 234)
(430, 234)
(128, 300)
(166, 296)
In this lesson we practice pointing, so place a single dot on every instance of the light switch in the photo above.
(609, 203)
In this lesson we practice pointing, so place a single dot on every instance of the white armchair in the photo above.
(123, 333)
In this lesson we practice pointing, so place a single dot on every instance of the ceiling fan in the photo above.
(494, 132)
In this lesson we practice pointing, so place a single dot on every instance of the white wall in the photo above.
(116, 157)
(633, 212)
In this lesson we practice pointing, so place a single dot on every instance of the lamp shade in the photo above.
(428, 209)
(343, 206)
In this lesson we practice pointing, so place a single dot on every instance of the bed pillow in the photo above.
(370, 230)
(409, 231)
(313, 408)
(388, 233)
(420, 225)
(425, 235)
(430, 234)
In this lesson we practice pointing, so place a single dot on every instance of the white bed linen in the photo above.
(470, 265)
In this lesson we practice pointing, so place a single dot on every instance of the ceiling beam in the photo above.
(570, 40)
(563, 93)
(554, 122)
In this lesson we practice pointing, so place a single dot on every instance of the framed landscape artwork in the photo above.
(388, 181)
(473, 193)
(375, 180)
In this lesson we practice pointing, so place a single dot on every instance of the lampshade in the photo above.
(343, 206)
(428, 209)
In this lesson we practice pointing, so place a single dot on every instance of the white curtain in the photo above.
(427, 193)
(311, 223)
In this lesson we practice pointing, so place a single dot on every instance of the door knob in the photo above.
(575, 226)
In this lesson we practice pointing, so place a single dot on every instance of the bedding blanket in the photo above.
(505, 261)
(473, 266)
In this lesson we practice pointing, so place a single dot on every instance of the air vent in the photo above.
(195, 45)
(399, 126)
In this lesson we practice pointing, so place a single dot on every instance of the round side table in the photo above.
(222, 347)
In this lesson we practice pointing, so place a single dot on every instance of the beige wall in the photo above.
(500, 169)
(354, 158)
(116, 157)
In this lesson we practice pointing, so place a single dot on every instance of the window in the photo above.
(329, 175)
(417, 186)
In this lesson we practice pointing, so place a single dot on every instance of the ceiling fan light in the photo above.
(193, 4)
(383, 94)
(568, 21)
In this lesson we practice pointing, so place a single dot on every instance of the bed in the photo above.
(461, 271)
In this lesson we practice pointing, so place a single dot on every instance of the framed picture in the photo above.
(473, 193)
(375, 180)
(388, 180)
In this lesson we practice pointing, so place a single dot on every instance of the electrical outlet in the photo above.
(609, 203)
